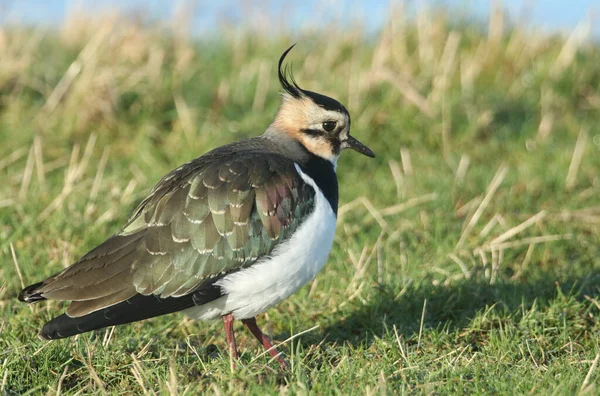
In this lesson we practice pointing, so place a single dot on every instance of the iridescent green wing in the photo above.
(208, 217)
(223, 217)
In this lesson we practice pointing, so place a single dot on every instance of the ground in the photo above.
(467, 255)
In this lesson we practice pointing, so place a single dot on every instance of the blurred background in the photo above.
(466, 257)
(205, 17)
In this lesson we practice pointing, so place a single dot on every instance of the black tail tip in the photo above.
(30, 294)
(49, 331)
(43, 336)
(62, 326)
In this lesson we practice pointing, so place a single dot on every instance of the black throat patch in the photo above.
(322, 172)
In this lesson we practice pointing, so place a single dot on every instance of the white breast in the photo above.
(253, 290)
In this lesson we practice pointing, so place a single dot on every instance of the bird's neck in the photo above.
(292, 148)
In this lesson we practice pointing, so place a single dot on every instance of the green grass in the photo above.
(474, 134)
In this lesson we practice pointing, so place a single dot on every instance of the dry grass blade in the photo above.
(406, 89)
(491, 190)
(283, 343)
(411, 203)
(376, 214)
(74, 173)
(495, 23)
(545, 128)
(586, 215)
(525, 263)
(98, 178)
(567, 54)
(108, 334)
(137, 370)
(518, 229)
(406, 161)
(81, 167)
(27, 173)
(592, 300)
(172, 383)
(422, 324)
(61, 380)
(489, 226)
(447, 62)
(13, 157)
(400, 347)
(588, 377)
(94, 375)
(526, 241)
(576, 159)
(463, 165)
(397, 175)
(461, 264)
(361, 268)
(484, 263)
(74, 69)
(425, 28)
(16, 262)
(497, 256)
(39, 162)
(4, 377)
(467, 209)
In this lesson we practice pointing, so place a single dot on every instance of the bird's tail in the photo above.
(136, 308)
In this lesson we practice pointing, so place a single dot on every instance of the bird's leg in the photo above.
(265, 341)
(228, 324)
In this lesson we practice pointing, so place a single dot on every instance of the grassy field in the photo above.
(467, 256)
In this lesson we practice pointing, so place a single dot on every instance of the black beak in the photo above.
(355, 145)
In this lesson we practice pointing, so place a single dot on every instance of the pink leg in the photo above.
(265, 341)
(228, 324)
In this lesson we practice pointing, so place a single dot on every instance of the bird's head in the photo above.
(320, 123)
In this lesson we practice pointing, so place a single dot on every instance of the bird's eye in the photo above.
(329, 125)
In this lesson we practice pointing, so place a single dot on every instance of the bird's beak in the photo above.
(355, 145)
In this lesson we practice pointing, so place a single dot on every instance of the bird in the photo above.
(225, 236)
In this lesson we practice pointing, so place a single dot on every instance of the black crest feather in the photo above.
(289, 84)
(286, 78)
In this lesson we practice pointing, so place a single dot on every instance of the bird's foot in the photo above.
(266, 342)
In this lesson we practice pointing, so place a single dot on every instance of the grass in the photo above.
(467, 253)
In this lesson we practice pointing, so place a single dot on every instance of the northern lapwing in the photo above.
(227, 235)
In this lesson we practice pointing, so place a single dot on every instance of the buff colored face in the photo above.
(323, 132)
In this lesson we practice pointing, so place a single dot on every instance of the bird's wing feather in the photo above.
(213, 215)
